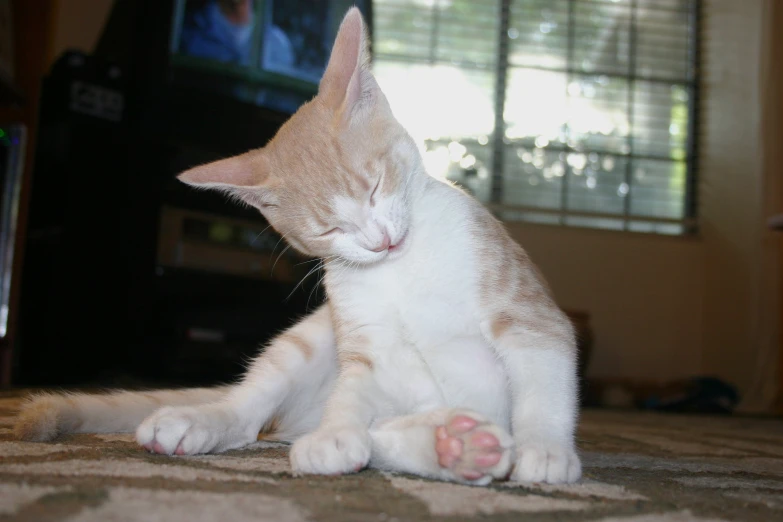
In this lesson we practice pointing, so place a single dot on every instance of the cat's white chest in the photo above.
(439, 357)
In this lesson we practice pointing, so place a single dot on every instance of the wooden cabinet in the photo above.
(31, 26)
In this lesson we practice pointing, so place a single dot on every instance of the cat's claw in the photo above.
(546, 462)
(331, 452)
(473, 449)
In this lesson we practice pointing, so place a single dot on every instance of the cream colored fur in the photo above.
(439, 351)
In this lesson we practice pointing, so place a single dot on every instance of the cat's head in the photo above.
(339, 176)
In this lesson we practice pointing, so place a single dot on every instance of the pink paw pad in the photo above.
(155, 447)
(467, 449)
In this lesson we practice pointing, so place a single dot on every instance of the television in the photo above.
(220, 75)
(268, 53)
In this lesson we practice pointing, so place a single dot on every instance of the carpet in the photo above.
(639, 467)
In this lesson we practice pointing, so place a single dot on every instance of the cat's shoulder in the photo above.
(454, 195)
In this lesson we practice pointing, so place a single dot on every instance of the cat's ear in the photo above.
(348, 82)
(245, 177)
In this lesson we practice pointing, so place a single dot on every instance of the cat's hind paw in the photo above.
(331, 452)
(546, 462)
(473, 449)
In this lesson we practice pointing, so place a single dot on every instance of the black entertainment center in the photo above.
(130, 276)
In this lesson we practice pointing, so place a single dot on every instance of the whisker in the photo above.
(308, 261)
(278, 259)
(315, 289)
(312, 270)
(334, 264)
(278, 242)
(259, 235)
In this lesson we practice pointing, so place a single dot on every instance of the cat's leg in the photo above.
(341, 444)
(283, 390)
(446, 444)
(539, 355)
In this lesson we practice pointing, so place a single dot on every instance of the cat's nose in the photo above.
(384, 243)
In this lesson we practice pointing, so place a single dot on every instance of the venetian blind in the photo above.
(574, 112)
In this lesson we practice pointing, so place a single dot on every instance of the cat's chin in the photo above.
(399, 247)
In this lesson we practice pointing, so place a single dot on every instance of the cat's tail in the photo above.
(45, 416)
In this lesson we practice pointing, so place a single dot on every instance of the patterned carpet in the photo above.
(638, 468)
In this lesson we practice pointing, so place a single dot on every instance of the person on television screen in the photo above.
(222, 30)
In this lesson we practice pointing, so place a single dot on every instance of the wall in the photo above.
(771, 380)
(644, 294)
(732, 162)
(663, 307)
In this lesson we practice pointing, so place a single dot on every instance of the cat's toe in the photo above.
(472, 449)
(331, 452)
(546, 462)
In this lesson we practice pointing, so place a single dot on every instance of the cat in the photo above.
(439, 350)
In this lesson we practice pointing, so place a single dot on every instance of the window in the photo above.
(573, 112)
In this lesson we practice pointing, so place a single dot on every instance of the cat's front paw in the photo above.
(187, 431)
(546, 462)
(331, 452)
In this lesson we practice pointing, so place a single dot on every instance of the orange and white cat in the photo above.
(439, 351)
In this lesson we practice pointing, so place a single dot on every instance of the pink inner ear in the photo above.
(342, 80)
(245, 170)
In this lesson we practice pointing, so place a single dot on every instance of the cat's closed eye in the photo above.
(372, 194)
(335, 230)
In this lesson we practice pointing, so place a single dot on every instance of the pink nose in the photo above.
(384, 244)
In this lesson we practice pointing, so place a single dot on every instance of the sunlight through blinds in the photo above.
(575, 112)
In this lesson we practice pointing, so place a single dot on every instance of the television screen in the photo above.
(270, 53)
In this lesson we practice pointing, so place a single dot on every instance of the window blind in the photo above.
(574, 112)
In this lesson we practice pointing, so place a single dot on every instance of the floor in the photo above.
(639, 467)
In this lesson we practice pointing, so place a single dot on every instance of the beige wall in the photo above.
(665, 308)
(731, 188)
(644, 293)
